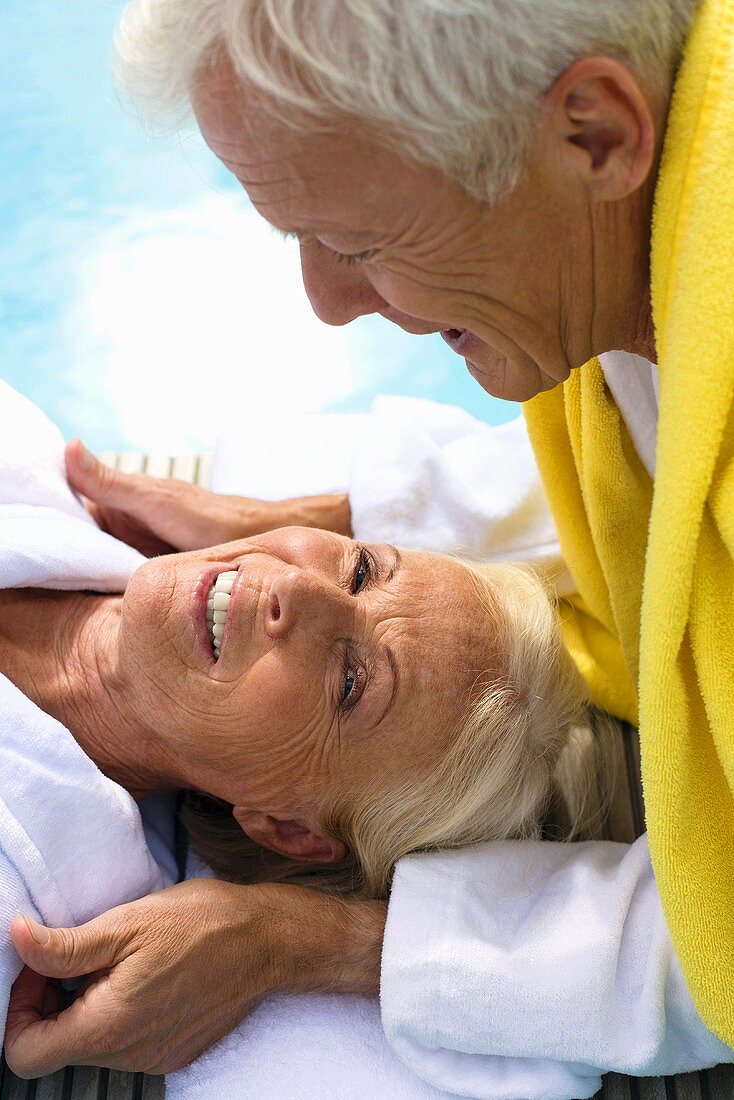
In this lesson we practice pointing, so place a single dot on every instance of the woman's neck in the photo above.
(59, 649)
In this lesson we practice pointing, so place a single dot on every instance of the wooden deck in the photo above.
(626, 822)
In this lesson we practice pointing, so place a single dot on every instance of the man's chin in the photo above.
(507, 380)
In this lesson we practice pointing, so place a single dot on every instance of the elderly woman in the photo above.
(543, 183)
(343, 703)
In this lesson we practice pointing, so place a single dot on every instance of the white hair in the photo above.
(455, 84)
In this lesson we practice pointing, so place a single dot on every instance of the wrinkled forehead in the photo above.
(451, 644)
(309, 177)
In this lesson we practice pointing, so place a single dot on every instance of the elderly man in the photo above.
(543, 183)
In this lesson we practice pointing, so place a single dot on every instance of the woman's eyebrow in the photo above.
(394, 688)
(396, 565)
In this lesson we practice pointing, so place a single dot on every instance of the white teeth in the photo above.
(216, 607)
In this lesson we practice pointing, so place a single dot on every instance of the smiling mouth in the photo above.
(217, 606)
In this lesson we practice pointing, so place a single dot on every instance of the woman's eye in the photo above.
(354, 682)
(362, 573)
(350, 682)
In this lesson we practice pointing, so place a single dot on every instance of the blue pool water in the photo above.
(143, 304)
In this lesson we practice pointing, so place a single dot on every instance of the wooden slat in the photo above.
(687, 1086)
(130, 462)
(152, 1088)
(204, 470)
(718, 1083)
(615, 1087)
(158, 465)
(184, 467)
(12, 1087)
(85, 1083)
(57, 1086)
(651, 1088)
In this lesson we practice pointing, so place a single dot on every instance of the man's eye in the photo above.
(354, 258)
(362, 573)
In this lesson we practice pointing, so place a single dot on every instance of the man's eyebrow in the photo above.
(397, 564)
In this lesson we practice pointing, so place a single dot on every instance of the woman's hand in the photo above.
(177, 970)
(159, 515)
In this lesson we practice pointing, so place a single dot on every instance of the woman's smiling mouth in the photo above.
(217, 605)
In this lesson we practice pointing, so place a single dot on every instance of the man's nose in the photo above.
(338, 291)
(300, 597)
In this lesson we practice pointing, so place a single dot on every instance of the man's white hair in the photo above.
(455, 84)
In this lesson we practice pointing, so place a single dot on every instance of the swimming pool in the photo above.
(143, 303)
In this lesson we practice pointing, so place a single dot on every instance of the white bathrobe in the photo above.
(71, 840)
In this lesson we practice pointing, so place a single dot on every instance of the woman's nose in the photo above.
(300, 597)
(338, 292)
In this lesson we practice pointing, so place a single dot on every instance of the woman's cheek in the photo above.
(272, 701)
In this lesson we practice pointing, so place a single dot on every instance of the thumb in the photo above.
(98, 482)
(68, 952)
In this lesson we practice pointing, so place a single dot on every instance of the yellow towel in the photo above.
(655, 569)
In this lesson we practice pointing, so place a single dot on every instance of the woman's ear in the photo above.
(600, 122)
(289, 836)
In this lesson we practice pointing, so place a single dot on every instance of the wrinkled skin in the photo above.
(557, 272)
(340, 661)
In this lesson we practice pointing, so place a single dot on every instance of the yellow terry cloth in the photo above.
(655, 569)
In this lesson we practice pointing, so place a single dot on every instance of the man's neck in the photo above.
(59, 649)
(622, 278)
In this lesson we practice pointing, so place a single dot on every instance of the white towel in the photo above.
(303, 1048)
(47, 539)
(71, 840)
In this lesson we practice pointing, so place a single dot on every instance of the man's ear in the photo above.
(289, 836)
(601, 122)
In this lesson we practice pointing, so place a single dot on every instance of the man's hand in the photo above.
(177, 970)
(159, 515)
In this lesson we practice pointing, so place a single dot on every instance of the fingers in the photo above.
(36, 1045)
(100, 483)
(70, 952)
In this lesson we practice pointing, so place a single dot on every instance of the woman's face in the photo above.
(339, 662)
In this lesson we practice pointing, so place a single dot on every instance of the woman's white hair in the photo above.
(455, 84)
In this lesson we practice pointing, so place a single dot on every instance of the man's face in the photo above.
(381, 235)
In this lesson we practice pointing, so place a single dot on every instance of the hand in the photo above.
(177, 970)
(160, 515)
